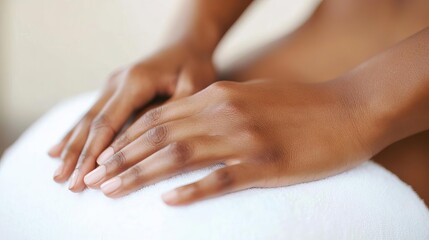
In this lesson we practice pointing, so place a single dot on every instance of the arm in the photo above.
(393, 89)
(270, 133)
(203, 23)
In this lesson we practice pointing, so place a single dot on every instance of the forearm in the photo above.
(202, 23)
(393, 90)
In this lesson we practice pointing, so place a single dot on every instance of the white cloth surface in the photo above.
(367, 202)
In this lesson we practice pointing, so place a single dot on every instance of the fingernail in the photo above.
(170, 197)
(59, 170)
(111, 185)
(73, 178)
(105, 155)
(96, 175)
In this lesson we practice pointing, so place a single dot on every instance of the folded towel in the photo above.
(367, 202)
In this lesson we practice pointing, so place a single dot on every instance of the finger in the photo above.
(156, 102)
(225, 180)
(71, 152)
(174, 110)
(176, 158)
(106, 93)
(55, 151)
(102, 130)
(147, 144)
(75, 142)
(153, 104)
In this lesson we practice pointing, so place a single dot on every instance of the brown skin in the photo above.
(175, 72)
(272, 133)
(181, 68)
(408, 159)
(301, 54)
(346, 35)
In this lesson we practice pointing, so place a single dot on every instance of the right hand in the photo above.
(174, 72)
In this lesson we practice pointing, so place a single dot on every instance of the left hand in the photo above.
(267, 133)
(177, 70)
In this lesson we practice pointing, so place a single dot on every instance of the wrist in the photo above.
(389, 94)
(202, 24)
(202, 40)
(200, 37)
(195, 44)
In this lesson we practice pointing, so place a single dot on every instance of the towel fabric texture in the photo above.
(367, 202)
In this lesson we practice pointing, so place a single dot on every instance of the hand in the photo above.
(174, 72)
(266, 133)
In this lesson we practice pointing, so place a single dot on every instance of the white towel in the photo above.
(367, 202)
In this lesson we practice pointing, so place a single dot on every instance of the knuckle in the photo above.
(222, 88)
(86, 156)
(118, 160)
(152, 116)
(102, 123)
(122, 141)
(180, 152)
(223, 179)
(271, 155)
(157, 135)
(135, 173)
(275, 154)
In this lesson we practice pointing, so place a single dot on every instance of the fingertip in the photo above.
(95, 178)
(52, 155)
(87, 181)
(73, 179)
(112, 196)
(77, 183)
(55, 151)
(58, 174)
(171, 198)
(62, 178)
(111, 186)
(77, 187)
(59, 179)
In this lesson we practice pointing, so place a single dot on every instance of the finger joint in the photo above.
(223, 179)
(102, 123)
(180, 152)
(118, 160)
(157, 135)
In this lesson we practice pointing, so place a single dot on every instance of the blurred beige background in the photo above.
(51, 50)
